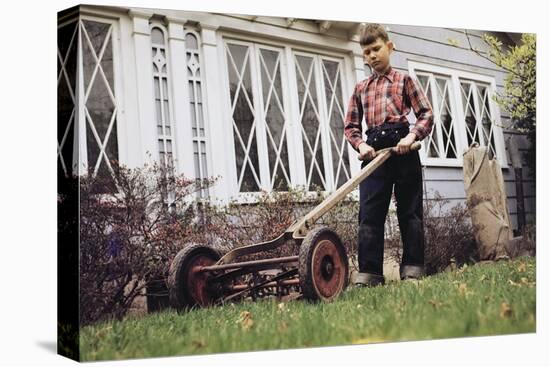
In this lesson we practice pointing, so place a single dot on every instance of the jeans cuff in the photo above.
(369, 279)
(412, 271)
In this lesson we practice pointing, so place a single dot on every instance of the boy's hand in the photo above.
(404, 145)
(366, 151)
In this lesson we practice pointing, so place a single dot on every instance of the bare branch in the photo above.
(480, 54)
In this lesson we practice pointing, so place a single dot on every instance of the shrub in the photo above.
(129, 236)
(237, 224)
(448, 235)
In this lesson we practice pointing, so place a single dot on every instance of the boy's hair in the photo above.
(371, 32)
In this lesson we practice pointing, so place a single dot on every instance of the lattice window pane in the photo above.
(432, 141)
(332, 80)
(67, 41)
(468, 104)
(274, 114)
(99, 101)
(244, 123)
(486, 118)
(445, 117)
(311, 123)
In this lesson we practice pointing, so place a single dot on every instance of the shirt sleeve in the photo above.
(352, 121)
(421, 107)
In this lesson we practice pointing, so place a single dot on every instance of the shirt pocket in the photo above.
(393, 106)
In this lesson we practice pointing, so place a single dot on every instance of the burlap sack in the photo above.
(486, 200)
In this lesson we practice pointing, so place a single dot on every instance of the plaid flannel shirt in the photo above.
(387, 98)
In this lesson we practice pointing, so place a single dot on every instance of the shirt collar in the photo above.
(389, 74)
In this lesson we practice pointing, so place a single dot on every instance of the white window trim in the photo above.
(456, 101)
(294, 133)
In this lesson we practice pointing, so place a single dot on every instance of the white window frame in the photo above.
(79, 119)
(165, 138)
(70, 168)
(203, 170)
(458, 108)
(325, 138)
(259, 127)
(297, 169)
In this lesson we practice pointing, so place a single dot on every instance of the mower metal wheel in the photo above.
(187, 286)
(323, 265)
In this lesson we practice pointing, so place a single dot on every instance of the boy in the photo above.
(385, 99)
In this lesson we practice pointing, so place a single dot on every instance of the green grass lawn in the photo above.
(484, 299)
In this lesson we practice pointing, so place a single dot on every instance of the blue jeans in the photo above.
(403, 175)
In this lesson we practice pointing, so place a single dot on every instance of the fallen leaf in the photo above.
(505, 310)
(281, 307)
(359, 306)
(245, 314)
(482, 278)
(512, 282)
(522, 267)
(283, 326)
(524, 281)
(246, 320)
(198, 343)
(101, 332)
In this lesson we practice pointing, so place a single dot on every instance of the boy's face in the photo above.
(377, 55)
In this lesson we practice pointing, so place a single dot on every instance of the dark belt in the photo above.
(386, 135)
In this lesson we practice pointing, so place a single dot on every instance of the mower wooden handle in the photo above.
(300, 228)
(414, 147)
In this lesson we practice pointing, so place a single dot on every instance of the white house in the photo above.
(259, 101)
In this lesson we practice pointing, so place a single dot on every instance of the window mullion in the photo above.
(260, 128)
(80, 138)
(324, 123)
(296, 148)
(460, 126)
